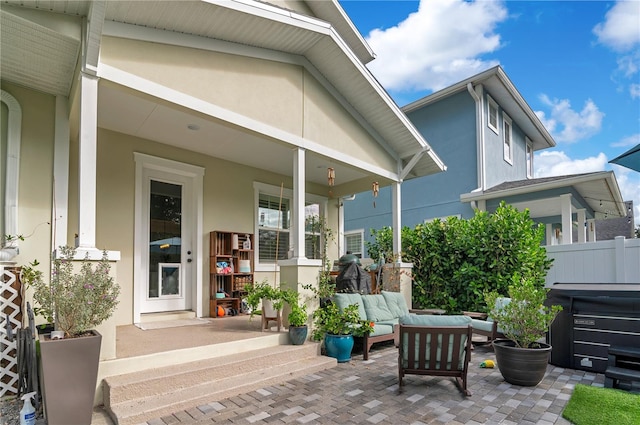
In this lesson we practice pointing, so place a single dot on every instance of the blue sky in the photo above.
(576, 63)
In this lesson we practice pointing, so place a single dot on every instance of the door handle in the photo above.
(189, 260)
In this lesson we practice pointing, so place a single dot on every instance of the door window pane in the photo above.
(165, 227)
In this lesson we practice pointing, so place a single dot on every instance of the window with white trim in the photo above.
(274, 221)
(529, 159)
(492, 115)
(507, 139)
(354, 242)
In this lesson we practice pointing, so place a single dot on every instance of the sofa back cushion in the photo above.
(344, 300)
(376, 308)
(396, 303)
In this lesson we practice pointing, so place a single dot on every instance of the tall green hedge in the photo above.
(455, 261)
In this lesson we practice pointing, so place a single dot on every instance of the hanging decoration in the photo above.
(331, 176)
(375, 188)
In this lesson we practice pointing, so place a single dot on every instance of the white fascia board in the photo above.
(151, 88)
(319, 26)
(270, 12)
(525, 106)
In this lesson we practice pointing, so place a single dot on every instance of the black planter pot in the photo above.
(521, 366)
(298, 334)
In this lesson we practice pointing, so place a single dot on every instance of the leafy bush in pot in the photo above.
(330, 319)
(75, 301)
(298, 315)
(525, 319)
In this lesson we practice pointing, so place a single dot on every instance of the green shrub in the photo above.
(455, 261)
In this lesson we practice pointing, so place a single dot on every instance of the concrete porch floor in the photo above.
(132, 341)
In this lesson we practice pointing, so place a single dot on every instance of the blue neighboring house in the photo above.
(486, 134)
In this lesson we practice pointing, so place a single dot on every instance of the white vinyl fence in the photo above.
(613, 261)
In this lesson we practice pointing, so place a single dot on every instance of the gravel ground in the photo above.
(10, 411)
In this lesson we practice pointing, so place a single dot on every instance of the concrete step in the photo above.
(137, 397)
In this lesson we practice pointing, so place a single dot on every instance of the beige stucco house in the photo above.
(215, 109)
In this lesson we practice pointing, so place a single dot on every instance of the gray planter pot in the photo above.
(69, 374)
(521, 366)
(298, 334)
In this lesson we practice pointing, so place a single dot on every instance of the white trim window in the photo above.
(354, 242)
(529, 159)
(492, 114)
(274, 218)
(507, 138)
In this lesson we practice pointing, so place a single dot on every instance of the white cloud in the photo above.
(620, 30)
(557, 163)
(628, 141)
(568, 125)
(438, 45)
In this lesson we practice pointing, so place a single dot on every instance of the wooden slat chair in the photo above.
(436, 346)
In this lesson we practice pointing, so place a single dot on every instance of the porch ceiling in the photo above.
(55, 29)
(137, 114)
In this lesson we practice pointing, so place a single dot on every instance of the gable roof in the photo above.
(317, 43)
(598, 192)
(501, 89)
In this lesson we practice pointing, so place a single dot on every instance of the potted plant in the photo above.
(272, 300)
(523, 356)
(76, 301)
(298, 323)
(337, 327)
(263, 292)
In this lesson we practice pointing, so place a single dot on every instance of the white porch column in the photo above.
(397, 219)
(591, 229)
(567, 234)
(582, 229)
(61, 173)
(549, 234)
(87, 161)
(297, 232)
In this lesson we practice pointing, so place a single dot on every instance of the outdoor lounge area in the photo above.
(366, 392)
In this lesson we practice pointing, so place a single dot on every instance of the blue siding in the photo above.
(497, 169)
(449, 128)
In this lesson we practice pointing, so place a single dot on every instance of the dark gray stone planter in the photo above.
(521, 366)
(298, 334)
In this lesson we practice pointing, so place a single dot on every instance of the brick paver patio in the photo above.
(366, 392)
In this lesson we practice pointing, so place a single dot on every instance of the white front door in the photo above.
(166, 242)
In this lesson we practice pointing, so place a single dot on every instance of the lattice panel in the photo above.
(10, 306)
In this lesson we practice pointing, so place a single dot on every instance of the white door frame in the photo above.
(144, 164)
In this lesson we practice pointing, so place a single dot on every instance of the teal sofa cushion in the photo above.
(483, 325)
(430, 320)
(376, 308)
(381, 329)
(396, 303)
(343, 301)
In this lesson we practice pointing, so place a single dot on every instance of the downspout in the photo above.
(479, 137)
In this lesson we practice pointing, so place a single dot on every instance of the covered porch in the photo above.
(567, 205)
